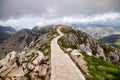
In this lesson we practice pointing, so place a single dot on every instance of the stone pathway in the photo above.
(62, 67)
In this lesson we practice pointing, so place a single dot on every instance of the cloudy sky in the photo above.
(28, 13)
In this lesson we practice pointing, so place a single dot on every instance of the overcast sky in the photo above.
(55, 9)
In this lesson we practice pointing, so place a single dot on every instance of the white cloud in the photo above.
(102, 18)
(31, 21)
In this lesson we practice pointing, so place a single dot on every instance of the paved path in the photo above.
(62, 67)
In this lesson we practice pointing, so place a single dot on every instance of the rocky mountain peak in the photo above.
(17, 41)
(82, 41)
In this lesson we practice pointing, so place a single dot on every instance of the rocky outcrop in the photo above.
(17, 42)
(78, 58)
(31, 63)
(81, 41)
(24, 65)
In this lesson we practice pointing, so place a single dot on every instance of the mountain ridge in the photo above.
(33, 61)
(6, 32)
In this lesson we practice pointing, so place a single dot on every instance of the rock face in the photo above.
(17, 42)
(79, 60)
(29, 64)
(24, 65)
(82, 41)
(6, 32)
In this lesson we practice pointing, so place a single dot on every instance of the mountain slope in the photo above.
(82, 41)
(32, 62)
(17, 42)
(99, 32)
(113, 40)
(91, 55)
(22, 38)
(42, 30)
(6, 32)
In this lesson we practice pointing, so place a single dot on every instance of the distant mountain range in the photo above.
(100, 32)
(113, 40)
(96, 24)
(22, 38)
(6, 32)
(17, 41)
(97, 30)
(105, 33)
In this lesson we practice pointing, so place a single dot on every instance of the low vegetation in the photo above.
(42, 43)
(45, 48)
(100, 69)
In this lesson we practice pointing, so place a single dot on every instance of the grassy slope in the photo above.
(100, 69)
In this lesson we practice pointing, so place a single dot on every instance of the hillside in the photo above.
(113, 40)
(93, 57)
(6, 32)
(17, 42)
(99, 31)
(22, 38)
(30, 58)
(80, 40)
(43, 29)
(56, 52)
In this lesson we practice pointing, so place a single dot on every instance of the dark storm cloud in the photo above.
(56, 8)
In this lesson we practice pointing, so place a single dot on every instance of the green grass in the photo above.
(45, 48)
(100, 69)
(33, 55)
(112, 40)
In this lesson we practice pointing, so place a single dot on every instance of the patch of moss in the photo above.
(33, 55)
